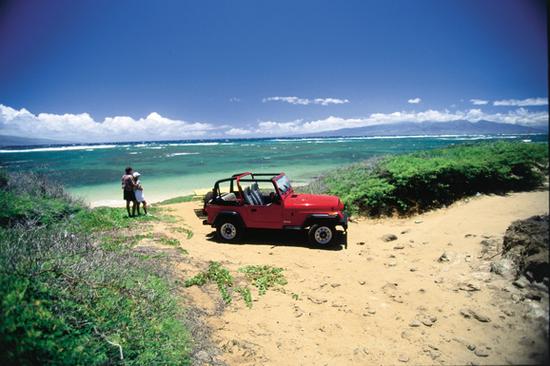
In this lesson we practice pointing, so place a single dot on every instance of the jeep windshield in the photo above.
(283, 183)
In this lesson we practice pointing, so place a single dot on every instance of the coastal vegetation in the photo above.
(72, 290)
(416, 182)
(262, 277)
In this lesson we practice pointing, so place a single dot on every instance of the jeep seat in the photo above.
(257, 195)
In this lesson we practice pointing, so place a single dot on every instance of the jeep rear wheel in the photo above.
(321, 234)
(229, 231)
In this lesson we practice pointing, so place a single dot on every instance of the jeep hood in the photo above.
(313, 201)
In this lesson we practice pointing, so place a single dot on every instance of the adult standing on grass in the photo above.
(138, 191)
(128, 185)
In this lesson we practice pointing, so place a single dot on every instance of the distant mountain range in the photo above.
(433, 128)
(26, 141)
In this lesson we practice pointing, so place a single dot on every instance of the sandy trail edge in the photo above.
(356, 305)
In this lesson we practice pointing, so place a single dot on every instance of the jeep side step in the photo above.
(293, 228)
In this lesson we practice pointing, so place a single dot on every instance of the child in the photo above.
(140, 198)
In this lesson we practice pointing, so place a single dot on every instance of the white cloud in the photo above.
(519, 116)
(83, 128)
(414, 100)
(529, 102)
(306, 101)
(234, 100)
(479, 101)
(238, 131)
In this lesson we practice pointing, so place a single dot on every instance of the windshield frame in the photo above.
(288, 186)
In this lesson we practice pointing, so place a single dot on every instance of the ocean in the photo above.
(176, 168)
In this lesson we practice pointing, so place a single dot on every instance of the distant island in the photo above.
(461, 127)
(26, 141)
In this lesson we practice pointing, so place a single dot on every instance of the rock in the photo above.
(389, 237)
(444, 257)
(317, 301)
(508, 312)
(362, 283)
(418, 221)
(403, 358)
(415, 323)
(434, 354)
(526, 243)
(481, 352)
(399, 246)
(465, 313)
(504, 267)
(203, 356)
(392, 263)
(334, 285)
(471, 347)
(480, 317)
(361, 243)
(469, 287)
(371, 311)
(405, 231)
(470, 236)
(521, 282)
(427, 322)
(412, 269)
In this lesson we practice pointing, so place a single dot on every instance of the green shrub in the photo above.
(420, 181)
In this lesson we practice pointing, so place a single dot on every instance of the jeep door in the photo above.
(268, 215)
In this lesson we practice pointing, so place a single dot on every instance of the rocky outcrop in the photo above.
(526, 245)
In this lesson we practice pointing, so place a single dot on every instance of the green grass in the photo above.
(72, 290)
(420, 181)
(178, 199)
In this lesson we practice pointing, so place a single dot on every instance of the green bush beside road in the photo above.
(416, 182)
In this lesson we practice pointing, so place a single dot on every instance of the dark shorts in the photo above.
(129, 196)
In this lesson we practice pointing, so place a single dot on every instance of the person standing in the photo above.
(128, 185)
(138, 191)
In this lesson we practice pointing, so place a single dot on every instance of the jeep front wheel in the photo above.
(229, 231)
(321, 234)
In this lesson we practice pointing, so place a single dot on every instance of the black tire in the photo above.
(322, 235)
(229, 230)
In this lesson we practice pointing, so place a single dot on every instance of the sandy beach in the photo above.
(375, 302)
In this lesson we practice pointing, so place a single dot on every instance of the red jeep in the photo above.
(267, 201)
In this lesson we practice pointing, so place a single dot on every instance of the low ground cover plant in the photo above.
(262, 277)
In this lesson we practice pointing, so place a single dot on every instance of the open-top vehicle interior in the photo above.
(261, 189)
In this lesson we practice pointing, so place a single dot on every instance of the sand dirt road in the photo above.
(376, 302)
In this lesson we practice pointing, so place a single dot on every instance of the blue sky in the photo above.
(206, 68)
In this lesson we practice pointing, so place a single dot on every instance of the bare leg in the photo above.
(134, 207)
(145, 207)
(128, 208)
(137, 205)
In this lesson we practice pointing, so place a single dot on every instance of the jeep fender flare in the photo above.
(326, 219)
(226, 215)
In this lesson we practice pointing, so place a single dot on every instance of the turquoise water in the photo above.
(177, 168)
